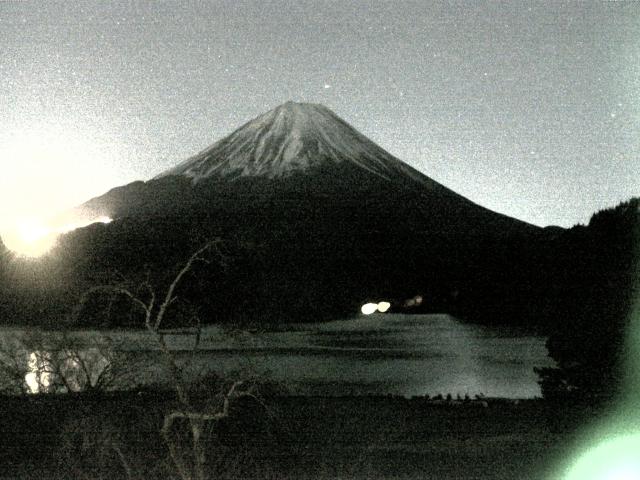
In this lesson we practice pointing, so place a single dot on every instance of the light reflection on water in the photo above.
(376, 354)
(38, 379)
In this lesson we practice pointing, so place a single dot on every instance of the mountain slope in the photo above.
(291, 154)
(318, 219)
(293, 137)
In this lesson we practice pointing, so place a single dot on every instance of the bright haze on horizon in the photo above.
(531, 110)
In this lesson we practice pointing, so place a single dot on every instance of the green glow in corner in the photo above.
(615, 440)
(616, 459)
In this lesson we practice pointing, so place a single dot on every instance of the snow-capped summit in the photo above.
(295, 159)
(293, 137)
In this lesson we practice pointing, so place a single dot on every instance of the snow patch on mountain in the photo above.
(293, 137)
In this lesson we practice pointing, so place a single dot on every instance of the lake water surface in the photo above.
(376, 354)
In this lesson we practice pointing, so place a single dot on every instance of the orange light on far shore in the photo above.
(33, 238)
(74, 226)
(383, 307)
(369, 308)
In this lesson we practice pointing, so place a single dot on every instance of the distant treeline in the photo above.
(595, 274)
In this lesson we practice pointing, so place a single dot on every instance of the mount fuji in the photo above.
(295, 148)
(294, 137)
(322, 217)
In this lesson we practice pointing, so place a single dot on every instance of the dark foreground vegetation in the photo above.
(280, 437)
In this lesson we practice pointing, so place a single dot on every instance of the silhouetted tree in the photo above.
(156, 308)
(594, 286)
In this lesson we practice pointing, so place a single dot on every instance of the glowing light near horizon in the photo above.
(383, 307)
(49, 166)
(29, 238)
(369, 308)
(74, 226)
(31, 230)
(33, 237)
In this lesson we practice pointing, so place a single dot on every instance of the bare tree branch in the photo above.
(170, 297)
(155, 313)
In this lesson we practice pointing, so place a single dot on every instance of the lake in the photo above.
(376, 354)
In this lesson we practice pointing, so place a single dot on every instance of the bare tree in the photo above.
(14, 366)
(190, 464)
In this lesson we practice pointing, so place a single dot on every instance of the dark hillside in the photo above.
(595, 280)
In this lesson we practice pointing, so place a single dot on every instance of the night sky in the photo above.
(532, 110)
